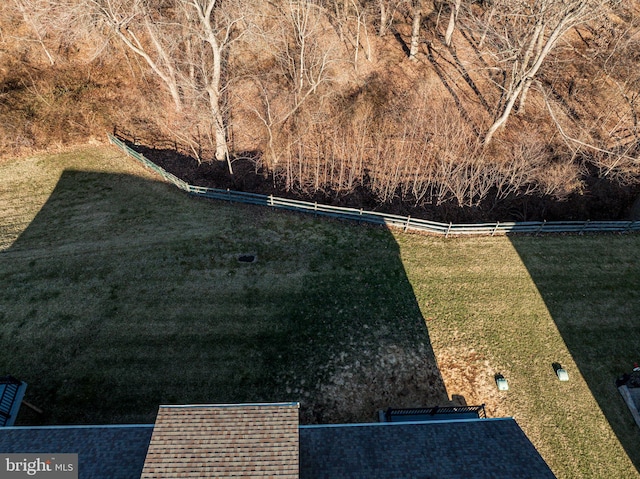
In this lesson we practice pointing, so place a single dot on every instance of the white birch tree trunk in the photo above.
(453, 17)
(415, 30)
(527, 59)
(131, 20)
(384, 18)
(217, 39)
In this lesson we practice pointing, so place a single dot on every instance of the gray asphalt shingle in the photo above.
(465, 449)
(461, 449)
(104, 452)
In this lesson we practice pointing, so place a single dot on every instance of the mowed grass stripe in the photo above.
(124, 293)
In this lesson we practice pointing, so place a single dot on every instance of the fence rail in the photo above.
(404, 222)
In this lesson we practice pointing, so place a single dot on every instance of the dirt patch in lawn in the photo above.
(391, 376)
(468, 374)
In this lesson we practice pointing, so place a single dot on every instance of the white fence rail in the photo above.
(404, 222)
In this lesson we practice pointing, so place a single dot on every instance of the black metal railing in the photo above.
(479, 411)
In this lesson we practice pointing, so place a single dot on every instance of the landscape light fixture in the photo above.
(560, 372)
(501, 382)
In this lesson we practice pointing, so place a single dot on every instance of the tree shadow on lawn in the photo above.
(124, 294)
(590, 287)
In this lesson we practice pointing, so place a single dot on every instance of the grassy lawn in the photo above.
(119, 293)
(516, 306)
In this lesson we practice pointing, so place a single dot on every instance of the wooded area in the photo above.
(494, 108)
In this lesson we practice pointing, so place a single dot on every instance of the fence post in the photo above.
(619, 226)
(586, 223)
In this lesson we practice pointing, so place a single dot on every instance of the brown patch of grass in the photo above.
(376, 378)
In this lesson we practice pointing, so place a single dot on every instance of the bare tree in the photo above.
(522, 35)
(386, 18)
(454, 6)
(415, 28)
(147, 29)
(303, 63)
(619, 62)
(349, 18)
(362, 32)
(216, 27)
(33, 13)
(387, 9)
(184, 42)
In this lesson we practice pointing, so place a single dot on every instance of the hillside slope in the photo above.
(352, 103)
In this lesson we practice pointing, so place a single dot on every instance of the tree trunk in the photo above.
(455, 7)
(214, 80)
(505, 114)
(523, 95)
(220, 130)
(415, 30)
(384, 19)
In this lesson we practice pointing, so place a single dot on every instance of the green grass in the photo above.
(516, 306)
(123, 293)
(119, 293)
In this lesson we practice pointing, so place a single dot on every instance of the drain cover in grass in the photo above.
(247, 258)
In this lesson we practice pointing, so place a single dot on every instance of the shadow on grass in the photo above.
(124, 294)
(590, 287)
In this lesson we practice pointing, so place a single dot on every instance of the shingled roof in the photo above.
(258, 441)
(457, 449)
(104, 452)
(241, 441)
